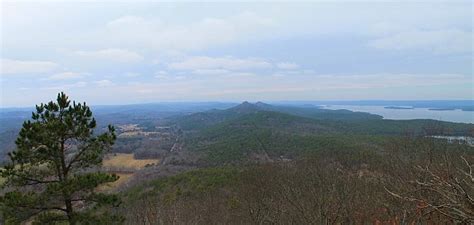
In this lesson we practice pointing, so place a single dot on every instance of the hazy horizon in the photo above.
(373, 102)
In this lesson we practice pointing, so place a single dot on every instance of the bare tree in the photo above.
(448, 191)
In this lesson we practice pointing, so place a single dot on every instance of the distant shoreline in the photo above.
(451, 109)
(391, 112)
(398, 107)
(442, 109)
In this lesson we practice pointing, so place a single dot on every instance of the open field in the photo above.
(126, 161)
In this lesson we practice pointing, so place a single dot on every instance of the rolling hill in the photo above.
(262, 132)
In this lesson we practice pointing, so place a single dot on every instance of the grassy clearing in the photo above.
(122, 160)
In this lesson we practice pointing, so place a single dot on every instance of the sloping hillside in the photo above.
(202, 120)
(262, 132)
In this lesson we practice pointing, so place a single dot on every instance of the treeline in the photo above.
(269, 135)
(413, 180)
(143, 147)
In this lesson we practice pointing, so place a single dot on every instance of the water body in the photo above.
(457, 115)
(462, 139)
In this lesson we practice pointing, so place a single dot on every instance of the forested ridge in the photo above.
(266, 164)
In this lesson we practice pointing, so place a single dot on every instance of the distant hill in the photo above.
(266, 132)
(246, 107)
(204, 119)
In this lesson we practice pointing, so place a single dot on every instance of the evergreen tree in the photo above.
(54, 172)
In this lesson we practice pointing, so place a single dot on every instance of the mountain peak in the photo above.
(245, 107)
(262, 104)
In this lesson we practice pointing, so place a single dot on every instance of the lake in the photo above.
(457, 115)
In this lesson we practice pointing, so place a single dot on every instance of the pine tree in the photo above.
(55, 171)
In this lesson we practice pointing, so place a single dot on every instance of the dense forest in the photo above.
(407, 183)
(268, 164)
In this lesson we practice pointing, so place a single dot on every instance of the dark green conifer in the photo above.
(55, 171)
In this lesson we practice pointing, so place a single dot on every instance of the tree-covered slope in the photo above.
(202, 120)
(250, 133)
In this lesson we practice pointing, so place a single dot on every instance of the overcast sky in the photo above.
(123, 52)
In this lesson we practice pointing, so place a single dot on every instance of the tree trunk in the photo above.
(69, 211)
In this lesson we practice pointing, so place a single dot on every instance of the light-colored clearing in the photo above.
(122, 160)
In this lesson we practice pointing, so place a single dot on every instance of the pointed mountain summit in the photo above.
(245, 107)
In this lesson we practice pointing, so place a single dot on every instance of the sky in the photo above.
(127, 52)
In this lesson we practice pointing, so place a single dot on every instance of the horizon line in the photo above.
(237, 102)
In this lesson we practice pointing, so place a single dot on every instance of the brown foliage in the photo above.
(404, 184)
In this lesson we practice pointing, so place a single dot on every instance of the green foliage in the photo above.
(54, 169)
(240, 133)
(202, 120)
